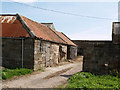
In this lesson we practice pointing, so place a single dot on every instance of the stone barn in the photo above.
(29, 44)
(71, 47)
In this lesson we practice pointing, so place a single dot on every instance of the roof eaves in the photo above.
(25, 26)
(52, 41)
(58, 35)
(47, 23)
(68, 38)
(7, 14)
(55, 33)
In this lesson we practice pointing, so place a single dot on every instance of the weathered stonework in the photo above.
(99, 56)
(39, 56)
(31, 53)
(47, 54)
(54, 54)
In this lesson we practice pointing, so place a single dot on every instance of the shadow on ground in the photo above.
(66, 76)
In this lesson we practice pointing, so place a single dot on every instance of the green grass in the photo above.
(88, 80)
(9, 73)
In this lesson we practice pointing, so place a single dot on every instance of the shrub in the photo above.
(9, 73)
(87, 80)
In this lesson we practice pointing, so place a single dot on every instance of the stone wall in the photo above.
(47, 54)
(31, 53)
(54, 54)
(13, 56)
(39, 55)
(99, 56)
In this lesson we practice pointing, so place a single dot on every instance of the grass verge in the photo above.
(87, 80)
(9, 73)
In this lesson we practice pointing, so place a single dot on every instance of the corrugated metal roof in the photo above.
(11, 27)
(14, 26)
(7, 19)
(20, 26)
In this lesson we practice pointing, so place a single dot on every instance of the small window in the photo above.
(41, 47)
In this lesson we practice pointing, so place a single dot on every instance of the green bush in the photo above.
(9, 73)
(88, 80)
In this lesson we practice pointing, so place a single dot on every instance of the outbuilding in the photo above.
(29, 44)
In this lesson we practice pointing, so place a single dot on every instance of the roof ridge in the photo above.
(57, 34)
(7, 14)
(25, 25)
(37, 24)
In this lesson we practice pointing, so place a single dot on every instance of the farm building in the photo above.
(29, 44)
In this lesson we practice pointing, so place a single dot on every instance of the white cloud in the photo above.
(24, 1)
(92, 34)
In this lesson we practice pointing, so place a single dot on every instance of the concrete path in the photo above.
(52, 77)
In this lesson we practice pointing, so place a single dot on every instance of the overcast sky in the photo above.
(75, 27)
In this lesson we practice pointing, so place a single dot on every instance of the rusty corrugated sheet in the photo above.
(11, 27)
(7, 19)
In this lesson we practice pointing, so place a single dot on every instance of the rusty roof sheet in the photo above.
(11, 27)
(42, 31)
(7, 19)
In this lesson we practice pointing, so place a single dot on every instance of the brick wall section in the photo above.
(12, 53)
(98, 54)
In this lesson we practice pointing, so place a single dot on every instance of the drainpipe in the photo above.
(22, 51)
